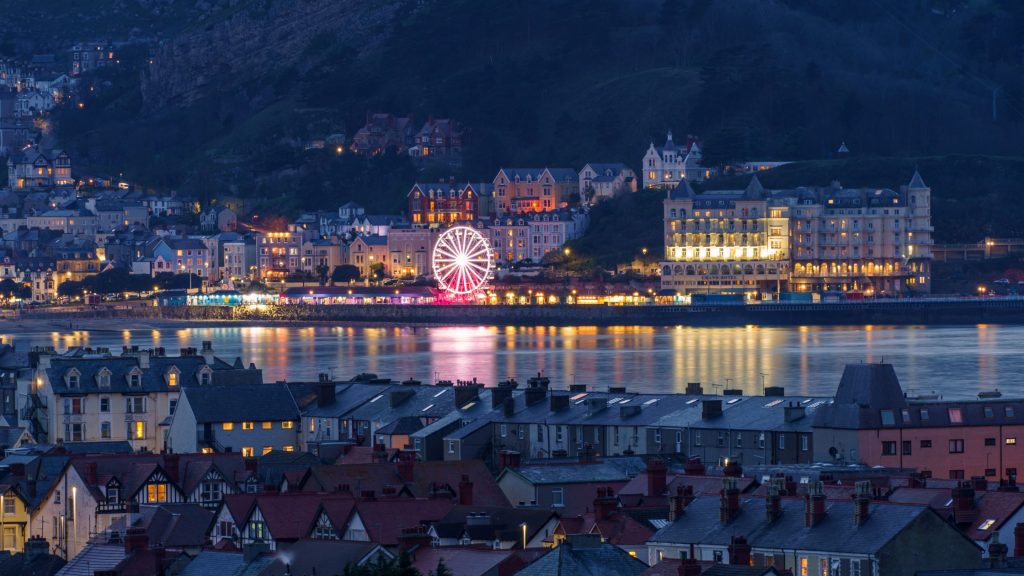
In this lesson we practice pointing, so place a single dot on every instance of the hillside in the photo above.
(231, 95)
(972, 197)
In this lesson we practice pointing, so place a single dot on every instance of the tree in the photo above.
(321, 273)
(70, 288)
(442, 569)
(377, 271)
(345, 273)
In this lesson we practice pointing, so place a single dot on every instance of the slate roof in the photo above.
(225, 564)
(503, 524)
(404, 425)
(570, 474)
(461, 561)
(837, 533)
(98, 447)
(864, 390)
(241, 402)
(17, 565)
(153, 379)
(175, 525)
(916, 182)
(319, 557)
(575, 560)
(93, 558)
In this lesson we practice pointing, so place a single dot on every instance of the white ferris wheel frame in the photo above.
(462, 261)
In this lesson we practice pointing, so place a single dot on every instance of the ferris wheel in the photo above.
(462, 261)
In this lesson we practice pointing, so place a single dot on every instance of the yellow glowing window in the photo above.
(248, 452)
(156, 492)
(289, 448)
(289, 425)
(248, 426)
(207, 450)
(139, 430)
(172, 379)
(267, 449)
(229, 425)
(268, 425)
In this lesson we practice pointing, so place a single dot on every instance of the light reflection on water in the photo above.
(955, 361)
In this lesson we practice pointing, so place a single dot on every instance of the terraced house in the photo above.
(92, 395)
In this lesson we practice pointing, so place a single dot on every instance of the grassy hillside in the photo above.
(563, 82)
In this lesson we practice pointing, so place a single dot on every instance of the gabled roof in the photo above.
(225, 564)
(596, 559)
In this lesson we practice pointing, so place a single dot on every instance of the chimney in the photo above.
(979, 483)
(35, 547)
(774, 391)
(605, 503)
(325, 393)
(773, 503)
(657, 477)
(397, 397)
(498, 396)
(1018, 540)
(694, 389)
(466, 393)
(172, 463)
(693, 467)
(595, 405)
(730, 500)
(790, 486)
(997, 552)
(739, 551)
(144, 359)
(508, 459)
(135, 540)
(535, 395)
(90, 473)
(963, 503)
(732, 468)
(794, 411)
(861, 502)
(574, 388)
(558, 402)
(208, 352)
(368, 495)
(710, 409)
(676, 504)
(814, 504)
(689, 567)
(31, 482)
(465, 491)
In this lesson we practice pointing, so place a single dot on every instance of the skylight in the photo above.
(429, 406)
(987, 524)
(439, 393)
(377, 397)
(773, 403)
(734, 400)
(651, 401)
(614, 400)
(691, 402)
(576, 397)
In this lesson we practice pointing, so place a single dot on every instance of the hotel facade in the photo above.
(807, 239)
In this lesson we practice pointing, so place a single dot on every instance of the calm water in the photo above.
(955, 361)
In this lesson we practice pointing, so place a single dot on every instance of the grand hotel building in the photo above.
(807, 239)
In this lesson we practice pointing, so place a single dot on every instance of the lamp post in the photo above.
(523, 526)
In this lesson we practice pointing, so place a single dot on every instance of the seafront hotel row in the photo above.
(807, 239)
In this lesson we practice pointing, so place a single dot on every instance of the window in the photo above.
(1011, 441)
(287, 425)
(227, 426)
(888, 418)
(288, 448)
(1011, 472)
(956, 474)
(803, 567)
(926, 443)
(135, 380)
(804, 443)
(105, 430)
(558, 497)
(156, 492)
(268, 425)
(717, 555)
(987, 411)
(1009, 411)
(172, 406)
(782, 441)
(211, 491)
(113, 494)
(990, 441)
(657, 436)
(135, 405)
(888, 448)
(986, 524)
(10, 538)
(540, 433)
(956, 446)
(907, 447)
(697, 440)
(248, 451)
(739, 440)
(451, 446)
(248, 426)
(267, 449)
(8, 506)
(137, 430)
(990, 471)
(172, 379)
(104, 404)
(924, 414)
(955, 417)
(503, 430)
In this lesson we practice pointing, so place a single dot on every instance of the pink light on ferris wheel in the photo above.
(462, 261)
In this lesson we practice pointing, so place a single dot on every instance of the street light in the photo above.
(523, 526)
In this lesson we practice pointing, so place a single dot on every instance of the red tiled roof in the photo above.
(998, 506)
(385, 519)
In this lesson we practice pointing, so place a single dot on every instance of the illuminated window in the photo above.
(156, 492)
(139, 430)
(287, 425)
(207, 450)
(267, 449)
(268, 425)
(248, 426)
(986, 524)
(172, 379)
(1011, 441)
(228, 426)
(289, 448)
(955, 417)
(247, 451)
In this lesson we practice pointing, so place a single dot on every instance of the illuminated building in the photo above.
(279, 254)
(448, 202)
(519, 190)
(808, 239)
(601, 181)
(35, 168)
(410, 249)
(668, 165)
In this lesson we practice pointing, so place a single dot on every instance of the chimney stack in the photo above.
(814, 504)
(694, 389)
(689, 567)
(773, 503)
(326, 393)
(739, 551)
(730, 500)
(90, 473)
(135, 539)
(605, 503)
(693, 467)
(963, 503)
(558, 402)
(711, 409)
(499, 394)
(861, 502)
(1018, 540)
(509, 459)
(997, 552)
(732, 468)
(657, 477)
(586, 454)
(678, 502)
(465, 491)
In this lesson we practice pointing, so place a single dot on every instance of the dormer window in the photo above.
(73, 378)
(173, 376)
(135, 378)
(103, 378)
(205, 376)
